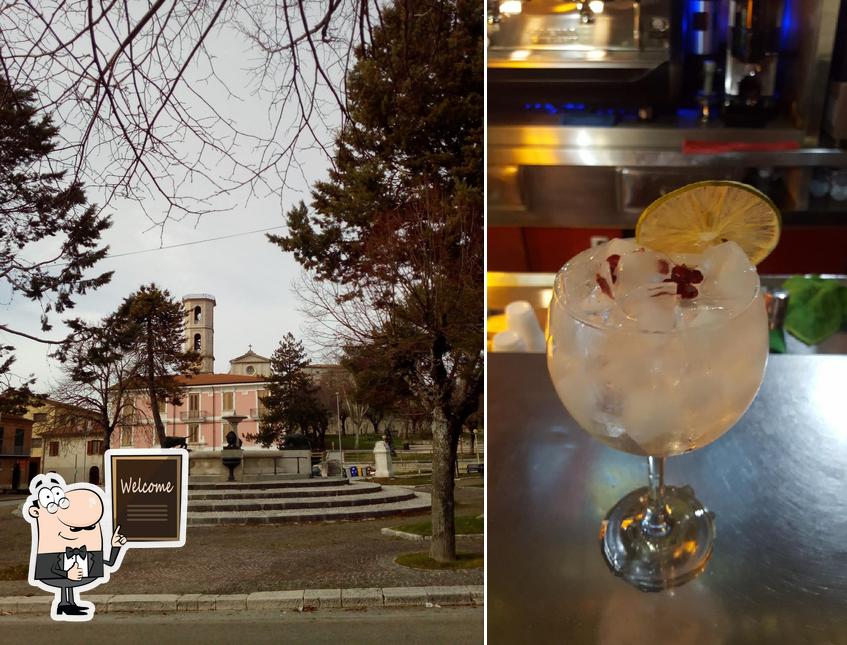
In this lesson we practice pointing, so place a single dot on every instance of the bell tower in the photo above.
(200, 328)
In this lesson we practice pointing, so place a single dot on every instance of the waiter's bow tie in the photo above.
(81, 551)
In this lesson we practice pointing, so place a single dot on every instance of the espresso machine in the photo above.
(754, 33)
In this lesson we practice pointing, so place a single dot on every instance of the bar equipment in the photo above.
(752, 56)
(588, 122)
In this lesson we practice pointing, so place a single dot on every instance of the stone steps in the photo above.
(277, 493)
(272, 504)
(391, 500)
(299, 482)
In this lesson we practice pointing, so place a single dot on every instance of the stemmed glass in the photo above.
(655, 394)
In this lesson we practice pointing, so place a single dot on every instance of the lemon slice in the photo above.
(697, 216)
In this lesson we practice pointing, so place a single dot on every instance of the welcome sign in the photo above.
(149, 495)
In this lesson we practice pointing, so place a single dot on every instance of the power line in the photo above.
(175, 246)
(181, 244)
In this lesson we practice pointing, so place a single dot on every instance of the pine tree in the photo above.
(415, 104)
(291, 405)
(154, 324)
(37, 204)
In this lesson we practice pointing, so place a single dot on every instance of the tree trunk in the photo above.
(107, 432)
(151, 386)
(443, 545)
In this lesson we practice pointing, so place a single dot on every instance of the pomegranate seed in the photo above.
(613, 266)
(664, 267)
(604, 286)
(687, 291)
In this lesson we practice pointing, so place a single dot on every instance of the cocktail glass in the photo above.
(656, 394)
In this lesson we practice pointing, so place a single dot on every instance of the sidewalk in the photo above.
(300, 600)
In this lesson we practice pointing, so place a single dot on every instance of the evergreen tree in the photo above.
(399, 221)
(40, 212)
(153, 323)
(415, 107)
(291, 404)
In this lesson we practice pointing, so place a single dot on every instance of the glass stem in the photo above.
(656, 522)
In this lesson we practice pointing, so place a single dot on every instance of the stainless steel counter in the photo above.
(777, 483)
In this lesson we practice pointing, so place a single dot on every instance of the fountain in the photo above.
(232, 454)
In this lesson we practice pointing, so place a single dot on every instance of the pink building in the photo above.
(208, 398)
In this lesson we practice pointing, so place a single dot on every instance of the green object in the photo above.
(465, 525)
(817, 307)
(423, 561)
(777, 341)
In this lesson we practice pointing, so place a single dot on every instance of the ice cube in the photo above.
(596, 302)
(702, 312)
(621, 246)
(637, 269)
(728, 275)
(653, 307)
(649, 418)
(613, 251)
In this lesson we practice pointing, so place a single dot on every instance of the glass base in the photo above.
(654, 561)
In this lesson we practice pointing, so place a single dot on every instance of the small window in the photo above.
(250, 369)
(53, 448)
(228, 401)
(39, 416)
(193, 433)
(36, 442)
(198, 313)
(126, 437)
(196, 342)
(95, 447)
(19, 438)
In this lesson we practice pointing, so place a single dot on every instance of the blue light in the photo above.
(687, 113)
(786, 27)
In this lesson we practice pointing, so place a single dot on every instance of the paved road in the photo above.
(453, 626)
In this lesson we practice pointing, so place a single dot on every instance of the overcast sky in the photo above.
(250, 278)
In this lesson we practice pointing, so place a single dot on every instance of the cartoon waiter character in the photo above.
(67, 543)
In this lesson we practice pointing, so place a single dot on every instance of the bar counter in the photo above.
(777, 483)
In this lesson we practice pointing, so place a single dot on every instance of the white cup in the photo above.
(520, 318)
(507, 341)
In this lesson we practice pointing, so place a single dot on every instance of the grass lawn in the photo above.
(423, 561)
(474, 481)
(465, 525)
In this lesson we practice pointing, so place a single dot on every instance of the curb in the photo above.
(299, 600)
(421, 538)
